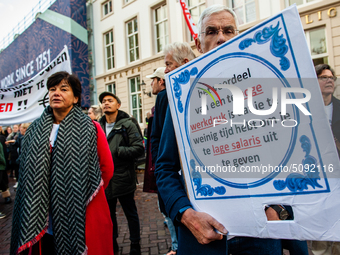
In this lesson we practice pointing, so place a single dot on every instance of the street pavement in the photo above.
(155, 237)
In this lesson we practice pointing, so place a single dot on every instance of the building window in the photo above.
(267, 8)
(132, 40)
(111, 88)
(298, 2)
(245, 10)
(317, 44)
(107, 7)
(161, 27)
(136, 98)
(195, 7)
(109, 50)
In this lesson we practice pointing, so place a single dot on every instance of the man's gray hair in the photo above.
(179, 51)
(216, 8)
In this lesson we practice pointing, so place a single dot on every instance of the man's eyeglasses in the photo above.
(325, 78)
(214, 31)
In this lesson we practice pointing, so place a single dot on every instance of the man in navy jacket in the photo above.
(175, 55)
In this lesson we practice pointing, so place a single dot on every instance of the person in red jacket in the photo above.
(65, 164)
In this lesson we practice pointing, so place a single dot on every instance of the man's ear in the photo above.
(185, 61)
(198, 45)
(163, 82)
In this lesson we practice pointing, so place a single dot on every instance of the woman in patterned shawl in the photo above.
(65, 165)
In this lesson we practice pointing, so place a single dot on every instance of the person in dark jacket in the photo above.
(6, 195)
(149, 171)
(158, 89)
(159, 110)
(126, 144)
(3, 173)
(3, 136)
(5, 133)
(13, 153)
(17, 144)
(175, 55)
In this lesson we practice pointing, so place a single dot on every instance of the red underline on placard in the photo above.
(254, 95)
(239, 150)
(201, 129)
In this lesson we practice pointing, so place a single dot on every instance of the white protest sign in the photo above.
(25, 102)
(252, 131)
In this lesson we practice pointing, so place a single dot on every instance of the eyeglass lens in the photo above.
(325, 78)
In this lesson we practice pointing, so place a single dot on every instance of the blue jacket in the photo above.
(173, 193)
(167, 167)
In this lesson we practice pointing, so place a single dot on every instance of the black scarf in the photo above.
(66, 181)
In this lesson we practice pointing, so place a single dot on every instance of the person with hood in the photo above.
(126, 145)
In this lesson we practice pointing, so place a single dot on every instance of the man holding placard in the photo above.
(198, 232)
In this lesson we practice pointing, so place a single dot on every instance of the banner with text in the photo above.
(252, 131)
(63, 23)
(26, 102)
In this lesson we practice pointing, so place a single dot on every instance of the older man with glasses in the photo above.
(199, 232)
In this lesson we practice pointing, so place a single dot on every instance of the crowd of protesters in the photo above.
(71, 169)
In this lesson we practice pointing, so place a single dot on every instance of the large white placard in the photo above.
(237, 158)
(25, 102)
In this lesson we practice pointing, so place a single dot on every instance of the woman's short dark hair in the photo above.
(319, 68)
(71, 80)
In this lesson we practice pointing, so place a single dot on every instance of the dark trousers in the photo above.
(295, 247)
(3, 180)
(188, 244)
(13, 166)
(130, 210)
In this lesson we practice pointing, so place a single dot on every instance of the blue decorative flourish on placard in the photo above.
(183, 78)
(278, 45)
(299, 182)
(194, 71)
(204, 189)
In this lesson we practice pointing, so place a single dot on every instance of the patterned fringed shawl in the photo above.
(64, 181)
